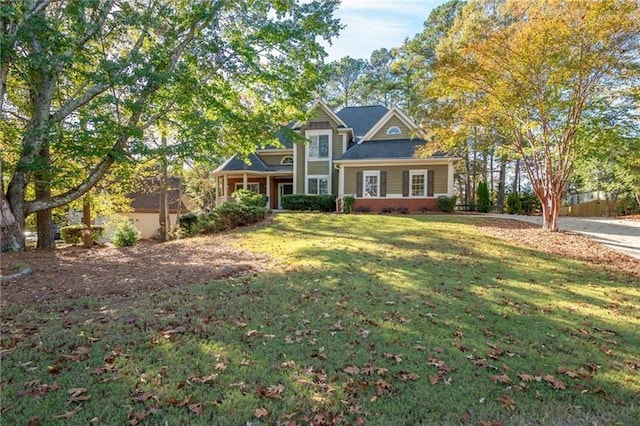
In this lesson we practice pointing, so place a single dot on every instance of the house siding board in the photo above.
(299, 165)
(394, 177)
(393, 121)
(318, 168)
(273, 159)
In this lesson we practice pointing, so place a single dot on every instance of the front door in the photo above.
(284, 189)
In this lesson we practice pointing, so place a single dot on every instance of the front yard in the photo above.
(359, 319)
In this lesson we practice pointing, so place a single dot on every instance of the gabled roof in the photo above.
(387, 149)
(362, 118)
(236, 163)
(321, 104)
(395, 111)
(284, 138)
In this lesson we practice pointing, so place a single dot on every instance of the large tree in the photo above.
(344, 81)
(86, 79)
(534, 70)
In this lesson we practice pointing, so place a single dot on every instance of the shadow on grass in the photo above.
(421, 320)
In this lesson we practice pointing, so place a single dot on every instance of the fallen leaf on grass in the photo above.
(526, 377)
(503, 378)
(34, 388)
(261, 412)
(352, 369)
(557, 383)
(383, 387)
(203, 379)
(197, 408)
(77, 394)
(507, 402)
(68, 414)
(405, 377)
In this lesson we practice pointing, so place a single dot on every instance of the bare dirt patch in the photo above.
(565, 244)
(105, 271)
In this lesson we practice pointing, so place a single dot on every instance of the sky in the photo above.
(373, 24)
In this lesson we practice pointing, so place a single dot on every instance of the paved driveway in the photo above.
(620, 234)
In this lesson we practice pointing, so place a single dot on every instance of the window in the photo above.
(394, 130)
(371, 184)
(286, 160)
(251, 186)
(318, 185)
(319, 146)
(418, 183)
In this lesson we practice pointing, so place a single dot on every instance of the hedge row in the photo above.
(72, 234)
(299, 202)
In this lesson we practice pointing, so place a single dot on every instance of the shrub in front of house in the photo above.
(72, 234)
(250, 198)
(126, 235)
(348, 201)
(446, 204)
(229, 215)
(301, 202)
(188, 224)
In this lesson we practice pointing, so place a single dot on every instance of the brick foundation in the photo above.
(414, 205)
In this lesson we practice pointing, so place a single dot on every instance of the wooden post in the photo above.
(87, 242)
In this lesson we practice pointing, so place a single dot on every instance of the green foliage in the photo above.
(374, 314)
(348, 201)
(627, 206)
(188, 223)
(484, 199)
(250, 198)
(513, 204)
(72, 234)
(447, 204)
(230, 215)
(301, 202)
(126, 235)
(530, 203)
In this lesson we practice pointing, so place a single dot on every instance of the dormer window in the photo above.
(287, 160)
(394, 130)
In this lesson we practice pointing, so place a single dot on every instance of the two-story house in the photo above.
(370, 152)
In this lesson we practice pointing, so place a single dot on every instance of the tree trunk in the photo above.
(87, 242)
(44, 218)
(164, 202)
(11, 236)
(515, 187)
(502, 181)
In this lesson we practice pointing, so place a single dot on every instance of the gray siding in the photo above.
(394, 177)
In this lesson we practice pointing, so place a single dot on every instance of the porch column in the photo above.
(340, 180)
(244, 181)
(269, 190)
(451, 170)
(226, 187)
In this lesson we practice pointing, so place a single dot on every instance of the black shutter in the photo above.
(430, 175)
(405, 183)
(383, 184)
(359, 184)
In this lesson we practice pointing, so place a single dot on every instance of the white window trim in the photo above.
(366, 173)
(239, 185)
(306, 183)
(394, 130)
(413, 173)
(316, 132)
(311, 133)
(282, 163)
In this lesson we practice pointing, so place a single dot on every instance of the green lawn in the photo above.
(362, 319)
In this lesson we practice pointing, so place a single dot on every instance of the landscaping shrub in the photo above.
(229, 215)
(72, 234)
(250, 198)
(188, 224)
(484, 199)
(446, 204)
(530, 203)
(348, 201)
(626, 206)
(514, 205)
(363, 209)
(301, 202)
(126, 235)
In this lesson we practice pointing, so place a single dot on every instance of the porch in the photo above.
(274, 186)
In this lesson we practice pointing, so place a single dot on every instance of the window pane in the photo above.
(323, 146)
(313, 147)
(322, 186)
(371, 186)
(313, 186)
(417, 185)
